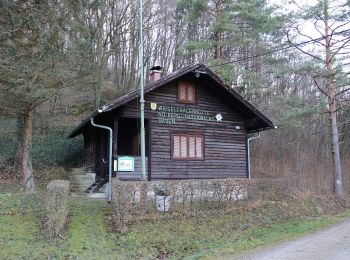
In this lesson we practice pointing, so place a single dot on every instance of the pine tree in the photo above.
(231, 30)
(328, 63)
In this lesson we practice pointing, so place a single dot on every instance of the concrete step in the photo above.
(76, 171)
(81, 178)
(78, 194)
(98, 195)
(82, 181)
(88, 184)
(79, 182)
(79, 187)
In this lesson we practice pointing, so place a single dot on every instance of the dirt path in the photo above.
(332, 243)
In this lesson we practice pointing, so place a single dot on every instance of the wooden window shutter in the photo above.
(176, 146)
(186, 92)
(190, 93)
(199, 147)
(182, 91)
(192, 147)
(183, 145)
(187, 146)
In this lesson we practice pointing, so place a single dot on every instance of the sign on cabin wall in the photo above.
(170, 114)
(126, 164)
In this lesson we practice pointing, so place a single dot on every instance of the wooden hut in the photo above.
(196, 127)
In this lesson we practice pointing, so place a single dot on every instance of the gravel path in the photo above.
(332, 243)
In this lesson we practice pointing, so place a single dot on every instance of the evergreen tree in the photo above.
(231, 30)
(328, 60)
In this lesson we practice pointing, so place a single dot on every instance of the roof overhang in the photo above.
(261, 121)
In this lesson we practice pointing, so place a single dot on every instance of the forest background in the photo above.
(60, 60)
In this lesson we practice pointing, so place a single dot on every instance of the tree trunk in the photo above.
(26, 164)
(18, 154)
(332, 106)
(335, 146)
(218, 45)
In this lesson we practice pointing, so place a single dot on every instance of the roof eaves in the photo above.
(77, 129)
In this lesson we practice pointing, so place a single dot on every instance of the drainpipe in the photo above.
(248, 147)
(109, 188)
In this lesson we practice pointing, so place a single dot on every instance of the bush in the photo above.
(57, 207)
(135, 201)
(8, 143)
(128, 201)
(55, 149)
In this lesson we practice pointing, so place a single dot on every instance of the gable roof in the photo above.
(264, 122)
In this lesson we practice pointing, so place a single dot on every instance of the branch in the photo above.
(343, 123)
(338, 109)
(341, 65)
(309, 37)
(342, 92)
(319, 87)
(305, 52)
(337, 41)
(340, 48)
(317, 28)
(341, 25)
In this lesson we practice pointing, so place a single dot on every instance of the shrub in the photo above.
(57, 207)
(135, 201)
(128, 201)
(55, 149)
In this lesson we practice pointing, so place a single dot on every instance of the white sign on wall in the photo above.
(126, 164)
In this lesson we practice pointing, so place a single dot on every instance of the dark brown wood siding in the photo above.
(224, 145)
(89, 152)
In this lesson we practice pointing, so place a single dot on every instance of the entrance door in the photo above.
(129, 137)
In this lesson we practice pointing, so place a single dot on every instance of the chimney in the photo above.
(156, 73)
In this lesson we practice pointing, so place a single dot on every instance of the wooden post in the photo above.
(115, 141)
(115, 136)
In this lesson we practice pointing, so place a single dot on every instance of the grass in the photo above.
(256, 238)
(212, 236)
(87, 236)
(20, 228)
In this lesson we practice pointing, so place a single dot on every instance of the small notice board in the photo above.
(126, 164)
